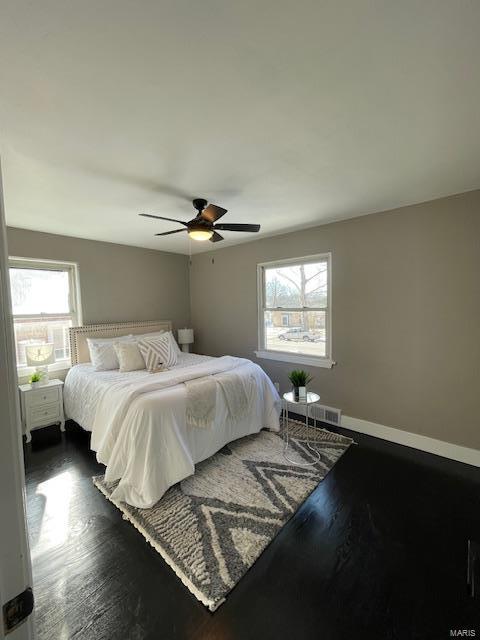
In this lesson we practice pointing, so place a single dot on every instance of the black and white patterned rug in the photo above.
(211, 527)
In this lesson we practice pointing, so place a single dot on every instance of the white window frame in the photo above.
(299, 358)
(75, 308)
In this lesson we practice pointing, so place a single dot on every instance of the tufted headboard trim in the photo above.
(78, 335)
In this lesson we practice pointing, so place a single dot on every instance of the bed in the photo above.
(138, 419)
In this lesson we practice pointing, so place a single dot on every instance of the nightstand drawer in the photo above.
(43, 415)
(40, 397)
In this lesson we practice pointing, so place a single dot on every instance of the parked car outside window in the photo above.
(299, 334)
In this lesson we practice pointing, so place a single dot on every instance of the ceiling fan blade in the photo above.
(212, 213)
(253, 228)
(216, 237)
(168, 233)
(149, 215)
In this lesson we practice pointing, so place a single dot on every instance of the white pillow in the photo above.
(129, 356)
(158, 353)
(102, 352)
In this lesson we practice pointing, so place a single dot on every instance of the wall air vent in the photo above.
(326, 414)
(319, 412)
(332, 416)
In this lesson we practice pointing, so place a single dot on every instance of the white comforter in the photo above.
(138, 423)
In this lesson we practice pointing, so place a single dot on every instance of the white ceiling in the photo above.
(286, 113)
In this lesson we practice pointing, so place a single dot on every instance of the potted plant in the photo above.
(35, 379)
(299, 380)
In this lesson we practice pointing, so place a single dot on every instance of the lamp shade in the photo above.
(185, 336)
(40, 355)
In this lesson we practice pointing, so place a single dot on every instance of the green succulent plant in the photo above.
(299, 378)
(36, 377)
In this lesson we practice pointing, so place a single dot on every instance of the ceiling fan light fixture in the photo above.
(204, 226)
(201, 234)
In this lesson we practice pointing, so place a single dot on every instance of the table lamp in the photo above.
(40, 356)
(185, 338)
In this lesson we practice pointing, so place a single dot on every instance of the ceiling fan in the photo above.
(202, 227)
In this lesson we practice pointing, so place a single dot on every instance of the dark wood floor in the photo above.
(379, 550)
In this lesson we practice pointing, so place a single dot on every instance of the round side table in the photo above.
(288, 398)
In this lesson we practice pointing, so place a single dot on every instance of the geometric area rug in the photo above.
(211, 527)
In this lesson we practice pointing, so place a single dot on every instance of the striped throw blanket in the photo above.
(237, 391)
(201, 402)
(202, 396)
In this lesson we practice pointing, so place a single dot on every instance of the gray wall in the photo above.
(406, 307)
(406, 314)
(117, 282)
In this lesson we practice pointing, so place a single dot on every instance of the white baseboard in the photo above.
(424, 443)
(406, 438)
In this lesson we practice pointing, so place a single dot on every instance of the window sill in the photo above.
(60, 368)
(298, 358)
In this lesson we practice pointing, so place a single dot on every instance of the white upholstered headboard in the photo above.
(78, 335)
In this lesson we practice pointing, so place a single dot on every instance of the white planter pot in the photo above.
(302, 393)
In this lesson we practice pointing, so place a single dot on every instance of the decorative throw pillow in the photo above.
(152, 334)
(175, 346)
(156, 334)
(102, 352)
(129, 356)
(158, 353)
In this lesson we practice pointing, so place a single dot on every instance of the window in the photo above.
(294, 310)
(45, 303)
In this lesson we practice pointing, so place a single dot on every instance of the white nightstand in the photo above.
(42, 406)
